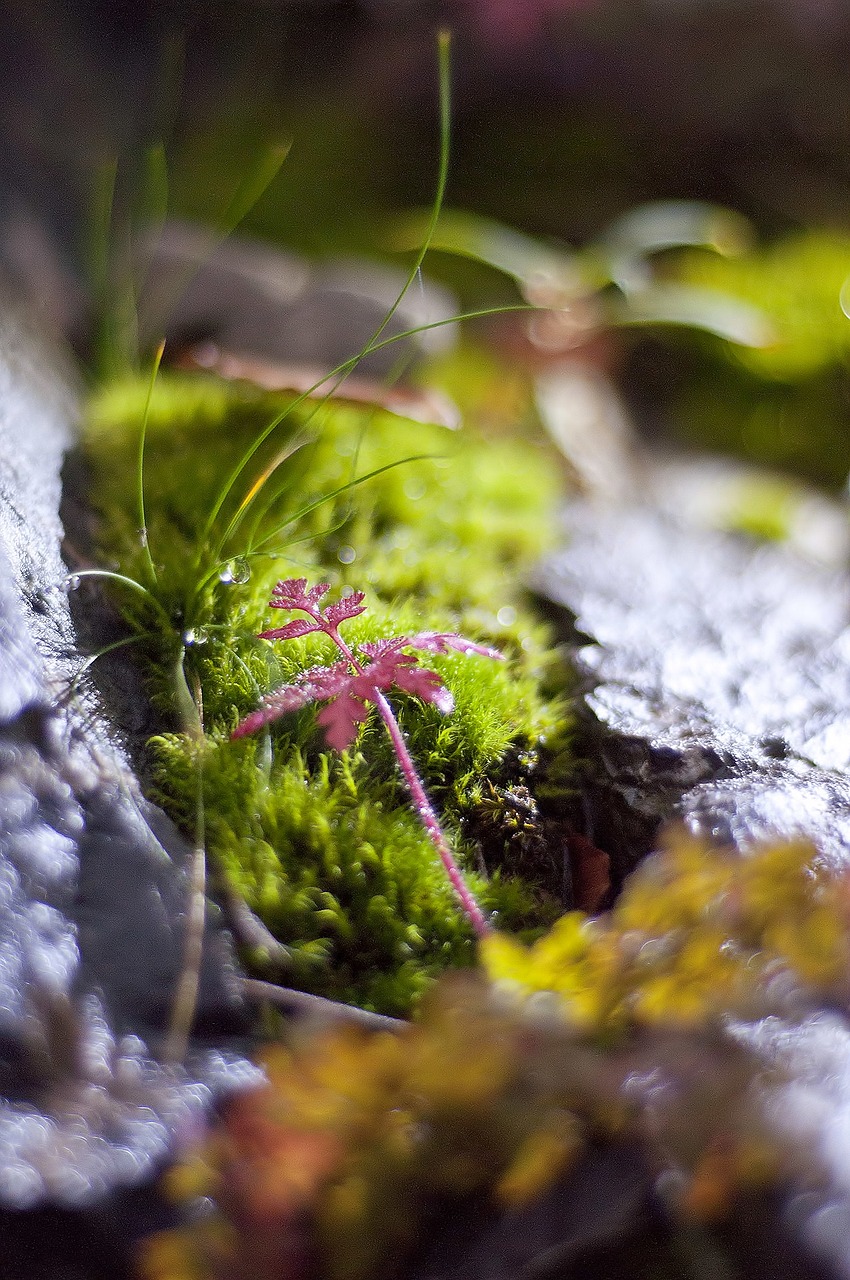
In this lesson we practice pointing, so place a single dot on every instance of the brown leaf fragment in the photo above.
(418, 404)
(591, 868)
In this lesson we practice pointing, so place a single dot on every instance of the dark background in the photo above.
(566, 112)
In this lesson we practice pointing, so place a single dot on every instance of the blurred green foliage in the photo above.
(785, 405)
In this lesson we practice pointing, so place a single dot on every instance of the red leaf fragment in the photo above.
(347, 607)
(318, 383)
(297, 627)
(279, 703)
(443, 641)
(290, 593)
(591, 872)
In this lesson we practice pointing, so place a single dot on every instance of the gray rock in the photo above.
(253, 299)
(716, 682)
(716, 691)
(92, 891)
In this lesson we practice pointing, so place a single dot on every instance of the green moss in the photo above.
(325, 848)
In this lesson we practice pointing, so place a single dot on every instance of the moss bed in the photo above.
(324, 847)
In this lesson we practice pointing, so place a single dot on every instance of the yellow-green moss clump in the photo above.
(333, 1167)
(359, 1140)
(323, 847)
(696, 935)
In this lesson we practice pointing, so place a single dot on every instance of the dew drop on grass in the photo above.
(236, 571)
(143, 537)
(194, 636)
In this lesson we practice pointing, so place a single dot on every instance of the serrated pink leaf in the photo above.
(290, 593)
(392, 669)
(425, 684)
(317, 593)
(279, 703)
(375, 648)
(443, 641)
(341, 718)
(382, 671)
(320, 683)
(297, 627)
(347, 607)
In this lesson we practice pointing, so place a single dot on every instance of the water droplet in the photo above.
(143, 537)
(195, 636)
(414, 489)
(844, 298)
(506, 616)
(346, 592)
(346, 555)
(236, 571)
(74, 582)
(241, 570)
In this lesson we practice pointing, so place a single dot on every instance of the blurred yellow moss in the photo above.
(695, 935)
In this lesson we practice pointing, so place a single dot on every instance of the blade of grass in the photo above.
(310, 507)
(444, 82)
(126, 581)
(140, 469)
(341, 369)
(185, 1003)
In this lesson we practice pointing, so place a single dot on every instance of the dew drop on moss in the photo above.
(346, 555)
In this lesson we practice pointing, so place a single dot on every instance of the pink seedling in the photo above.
(349, 687)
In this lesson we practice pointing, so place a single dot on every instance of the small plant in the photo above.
(348, 687)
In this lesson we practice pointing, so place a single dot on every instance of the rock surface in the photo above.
(716, 691)
(91, 889)
(717, 680)
(252, 298)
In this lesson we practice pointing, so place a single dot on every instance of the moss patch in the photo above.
(325, 847)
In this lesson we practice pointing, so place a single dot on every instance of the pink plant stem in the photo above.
(429, 819)
(421, 803)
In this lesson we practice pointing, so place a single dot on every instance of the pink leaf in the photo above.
(424, 684)
(279, 703)
(402, 671)
(290, 593)
(297, 627)
(374, 648)
(442, 641)
(347, 607)
(340, 719)
(320, 683)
